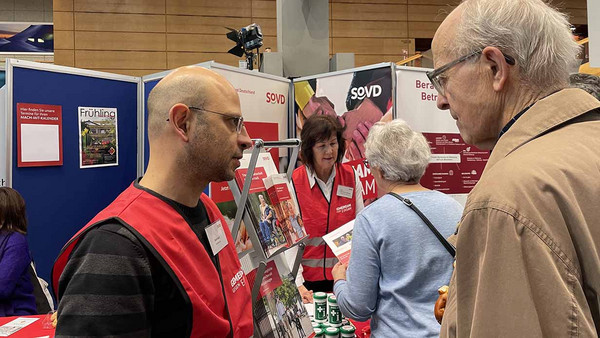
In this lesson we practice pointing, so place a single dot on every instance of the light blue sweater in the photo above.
(397, 264)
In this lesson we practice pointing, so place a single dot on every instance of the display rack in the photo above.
(260, 258)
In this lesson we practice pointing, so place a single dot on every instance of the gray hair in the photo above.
(536, 35)
(588, 82)
(400, 152)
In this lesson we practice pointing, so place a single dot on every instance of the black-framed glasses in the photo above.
(238, 120)
(438, 79)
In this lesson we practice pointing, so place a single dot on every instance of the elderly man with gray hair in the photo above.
(528, 244)
(397, 261)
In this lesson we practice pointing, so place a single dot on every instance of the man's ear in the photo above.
(180, 119)
(496, 63)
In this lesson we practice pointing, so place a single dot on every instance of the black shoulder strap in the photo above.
(451, 249)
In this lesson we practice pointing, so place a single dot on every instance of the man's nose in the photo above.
(442, 102)
(244, 140)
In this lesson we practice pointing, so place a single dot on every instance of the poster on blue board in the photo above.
(98, 137)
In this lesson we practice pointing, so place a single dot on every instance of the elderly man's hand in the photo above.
(339, 271)
(54, 319)
(440, 304)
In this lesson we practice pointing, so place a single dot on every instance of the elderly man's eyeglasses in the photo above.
(237, 120)
(438, 79)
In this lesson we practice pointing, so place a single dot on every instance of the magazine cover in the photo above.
(285, 206)
(260, 208)
(281, 312)
(340, 241)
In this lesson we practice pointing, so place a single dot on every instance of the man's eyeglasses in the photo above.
(438, 79)
(238, 120)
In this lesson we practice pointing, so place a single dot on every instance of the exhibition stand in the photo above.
(74, 139)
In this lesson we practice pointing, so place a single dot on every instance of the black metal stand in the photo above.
(241, 197)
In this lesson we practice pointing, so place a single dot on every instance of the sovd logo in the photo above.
(362, 92)
(275, 98)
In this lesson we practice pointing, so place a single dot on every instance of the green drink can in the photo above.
(320, 307)
(347, 331)
(335, 315)
(332, 332)
(319, 333)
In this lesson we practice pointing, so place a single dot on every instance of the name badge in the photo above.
(216, 237)
(344, 191)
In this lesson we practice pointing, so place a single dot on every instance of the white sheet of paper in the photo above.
(216, 237)
(15, 325)
(39, 142)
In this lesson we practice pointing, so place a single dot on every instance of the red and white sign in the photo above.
(455, 167)
(39, 135)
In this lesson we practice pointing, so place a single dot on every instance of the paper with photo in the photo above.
(340, 241)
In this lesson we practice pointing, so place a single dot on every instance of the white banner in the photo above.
(263, 100)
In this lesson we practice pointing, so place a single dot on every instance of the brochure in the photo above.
(340, 241)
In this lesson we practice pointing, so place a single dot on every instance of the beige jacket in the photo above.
(528, 246)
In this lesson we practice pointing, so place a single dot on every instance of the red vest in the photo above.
(169, 237)
(321, 217)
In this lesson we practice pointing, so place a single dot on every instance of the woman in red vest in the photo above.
(329, 194)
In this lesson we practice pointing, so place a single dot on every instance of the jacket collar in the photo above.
(312, 177)
(544, 115)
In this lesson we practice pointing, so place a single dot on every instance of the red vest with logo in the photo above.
(321, 217)
(170, 238)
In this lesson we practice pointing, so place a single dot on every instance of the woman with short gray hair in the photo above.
(397, 261)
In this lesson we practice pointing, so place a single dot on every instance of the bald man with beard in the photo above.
(160, 260)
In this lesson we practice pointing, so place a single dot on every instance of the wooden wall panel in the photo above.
(137, 36)
(428, 12)
(203, 24)
(368, 29)
(264, 9)
(120, 41)
(418, 29)
(227, 8)
(62, 5)
(370, 2)
(111, 22)
(66, 57)
(368, 12)
(370, 46)
(178, 59)
(63, 40)
(63, 21)
(120, 60)
(120, 6)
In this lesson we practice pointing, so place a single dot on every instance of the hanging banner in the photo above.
(98, 139)
(455, 167)
(358, 99)
(39, 135)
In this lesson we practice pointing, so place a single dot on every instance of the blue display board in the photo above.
(61, 199)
